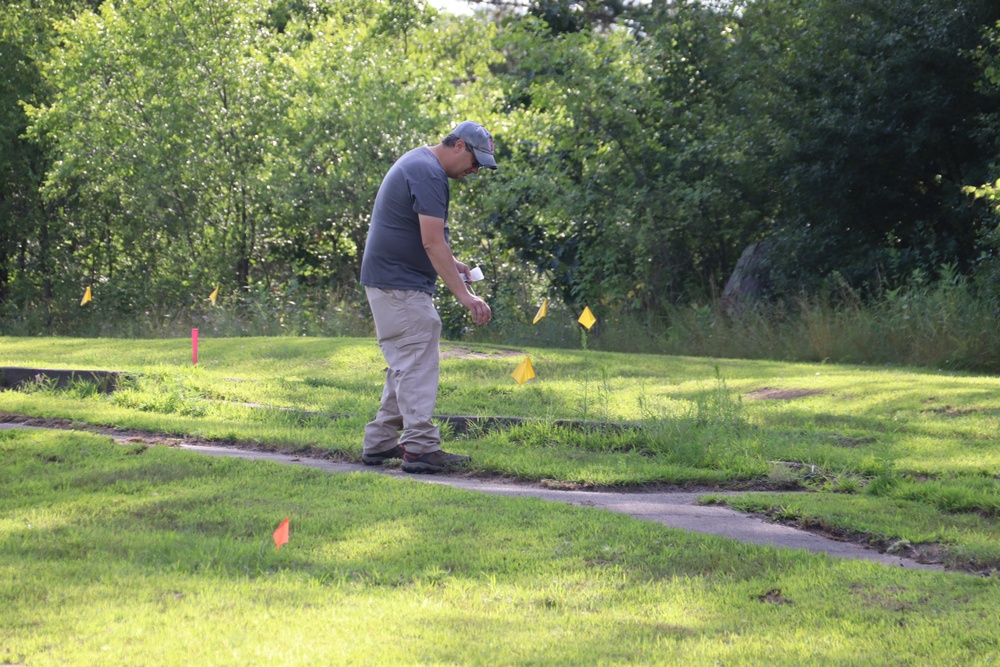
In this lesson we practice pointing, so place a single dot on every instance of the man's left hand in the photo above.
(464, 271)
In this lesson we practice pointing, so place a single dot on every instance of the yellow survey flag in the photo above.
(214, 295)
(587, 318)
(524, 371)
(87, 297)
(542, 312)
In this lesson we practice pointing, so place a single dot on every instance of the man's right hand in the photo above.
(478, 309)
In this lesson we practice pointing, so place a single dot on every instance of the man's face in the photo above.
(466, 163)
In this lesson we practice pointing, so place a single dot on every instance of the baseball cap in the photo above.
(481, 141)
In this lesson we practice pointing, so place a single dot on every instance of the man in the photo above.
(407, 249)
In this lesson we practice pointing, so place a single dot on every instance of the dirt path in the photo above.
(675, 509)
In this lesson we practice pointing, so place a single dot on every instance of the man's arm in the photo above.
(444, 262)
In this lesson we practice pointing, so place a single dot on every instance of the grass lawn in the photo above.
(134, 555)
(113, 551)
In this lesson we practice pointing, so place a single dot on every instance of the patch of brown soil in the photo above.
(11, 418)
(782, 394)
(844, 441)
(462, 352)
(560, 485)
(882, 598)
(130, 436)
(773, 596)
(927, 553)
(950, 411)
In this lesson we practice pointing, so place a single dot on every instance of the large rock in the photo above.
(750, 281)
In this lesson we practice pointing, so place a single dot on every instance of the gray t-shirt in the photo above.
(394, 256)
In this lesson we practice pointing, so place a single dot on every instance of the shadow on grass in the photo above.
(77, 495)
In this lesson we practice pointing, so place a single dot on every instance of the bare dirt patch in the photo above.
(773, 596)
(463, 352)
(930, 553)
(770, 393)
(844, 441)
(882, 598)
(134, 437)
(949, 411)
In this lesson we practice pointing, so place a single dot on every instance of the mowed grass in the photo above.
(894, 456)
(132, 555)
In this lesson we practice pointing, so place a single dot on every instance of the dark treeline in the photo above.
(156, 150)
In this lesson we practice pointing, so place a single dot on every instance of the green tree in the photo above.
(621, 196)
(369, 88)
(199, 143)
(563, 16)
(988, 270)
(28, 230)
(163, 116)
(870, 120)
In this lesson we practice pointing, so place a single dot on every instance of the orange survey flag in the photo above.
(281, 534)
(524, 371)
(587, 318)
(87, 297)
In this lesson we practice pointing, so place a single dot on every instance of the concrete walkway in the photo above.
(677, 510)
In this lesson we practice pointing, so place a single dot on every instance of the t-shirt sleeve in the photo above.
(429, 196)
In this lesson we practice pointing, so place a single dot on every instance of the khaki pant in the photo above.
(409, 332)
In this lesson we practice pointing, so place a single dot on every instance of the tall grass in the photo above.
(280, 311)
(945, 324)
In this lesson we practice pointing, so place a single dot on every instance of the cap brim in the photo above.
(485, 159)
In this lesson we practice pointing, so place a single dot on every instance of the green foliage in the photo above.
(360, 95)
(874, 122)
(156, 395)
(988, 58)
(224, 143)
(711, 431)
(40, 384)
(616, 201)
(172, 147)
(562, 16)
(28, 229)
(161, 123)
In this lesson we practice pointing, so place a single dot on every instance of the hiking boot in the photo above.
(433, 461)
(378, 458)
